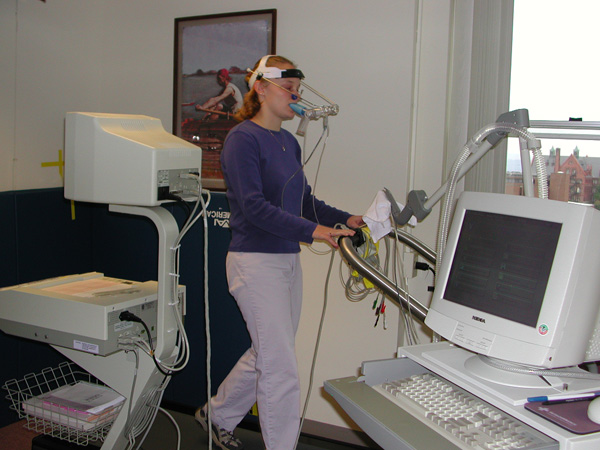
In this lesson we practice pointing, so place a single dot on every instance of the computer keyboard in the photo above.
(461, 417)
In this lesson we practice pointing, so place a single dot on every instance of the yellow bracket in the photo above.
(254, 410)
(61, 166)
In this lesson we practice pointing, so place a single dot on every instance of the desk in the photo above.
(393, 428)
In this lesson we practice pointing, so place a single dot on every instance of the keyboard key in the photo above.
(462, 416)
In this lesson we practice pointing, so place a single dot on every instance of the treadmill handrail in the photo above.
(390, 289)
(416, 244)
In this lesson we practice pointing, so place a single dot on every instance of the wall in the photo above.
(386, 63)
(39, 241)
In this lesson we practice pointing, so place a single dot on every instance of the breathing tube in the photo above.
(474, 143)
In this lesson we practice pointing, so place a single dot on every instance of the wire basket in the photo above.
(53, 418)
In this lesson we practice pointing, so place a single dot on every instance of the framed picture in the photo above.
(212, 55)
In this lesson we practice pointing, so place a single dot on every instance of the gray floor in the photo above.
(163, 436)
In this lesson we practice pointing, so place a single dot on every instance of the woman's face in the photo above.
(277, 100)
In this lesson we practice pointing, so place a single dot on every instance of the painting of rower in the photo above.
(212, 56)
(227, 103)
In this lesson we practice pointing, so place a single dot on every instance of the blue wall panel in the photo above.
(9, 352)
(40, 240)
(229, 336)
(8, 243)
(49, 242)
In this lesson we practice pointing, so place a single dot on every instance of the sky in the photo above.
(556, 65)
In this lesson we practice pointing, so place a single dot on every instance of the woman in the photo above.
(272, 211)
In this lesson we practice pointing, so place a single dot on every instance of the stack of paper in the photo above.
(81, 405)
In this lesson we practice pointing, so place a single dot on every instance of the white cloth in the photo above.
(378, 217)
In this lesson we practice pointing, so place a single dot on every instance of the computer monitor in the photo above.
(127, 159)
(520, 280)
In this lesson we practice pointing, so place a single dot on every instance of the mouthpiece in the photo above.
(299, 110)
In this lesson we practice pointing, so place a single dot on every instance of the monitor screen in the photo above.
(501, 265)
(519, 280)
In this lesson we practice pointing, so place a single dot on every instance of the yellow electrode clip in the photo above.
(368, 251)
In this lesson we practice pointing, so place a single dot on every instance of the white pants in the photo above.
(268, 290)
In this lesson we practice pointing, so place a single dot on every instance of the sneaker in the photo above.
(220, 436)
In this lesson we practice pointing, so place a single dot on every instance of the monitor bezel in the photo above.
(562, 322)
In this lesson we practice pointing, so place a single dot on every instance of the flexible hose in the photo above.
(540, 168)
(475, 142)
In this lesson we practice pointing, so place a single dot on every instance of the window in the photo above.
(555, 76)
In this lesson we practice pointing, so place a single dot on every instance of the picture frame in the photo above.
(212, 55)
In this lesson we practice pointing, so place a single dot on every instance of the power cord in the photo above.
(180, 201)
(127, 316)
(144, 417)
(425, 267)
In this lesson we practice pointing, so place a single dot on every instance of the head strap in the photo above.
(262, 71)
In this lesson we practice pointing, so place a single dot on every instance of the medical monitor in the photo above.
(126, 159)
(520, 280)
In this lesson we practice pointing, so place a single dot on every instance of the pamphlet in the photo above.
(81, 405)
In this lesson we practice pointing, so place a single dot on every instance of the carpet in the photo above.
(16, 437)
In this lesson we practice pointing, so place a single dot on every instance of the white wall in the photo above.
(116, 56)
(8, 33)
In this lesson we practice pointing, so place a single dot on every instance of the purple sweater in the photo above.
(272, 208)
